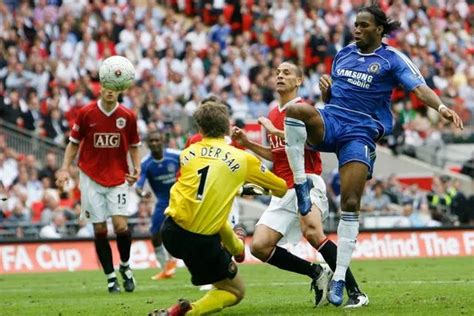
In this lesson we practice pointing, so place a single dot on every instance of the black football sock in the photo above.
(285, 260)
(329, 252)
(104, 253)
(124, 242)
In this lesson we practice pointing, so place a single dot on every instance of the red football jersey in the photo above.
(104, 140)
(281, 166)
(193, 139)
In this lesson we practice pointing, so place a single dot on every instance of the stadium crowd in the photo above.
(50, 52)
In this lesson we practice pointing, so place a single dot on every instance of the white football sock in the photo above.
(295, 140)
(347, 232)
(124, 264)
(161, 256)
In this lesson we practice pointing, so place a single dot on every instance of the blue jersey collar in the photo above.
(369, 54)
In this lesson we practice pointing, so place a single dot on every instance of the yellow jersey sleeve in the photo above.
(259, 174)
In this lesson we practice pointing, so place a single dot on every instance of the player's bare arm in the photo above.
(239, 136)
(268, 125)
(425, 94)
(132, 177)
(325, 83)
(62, 176)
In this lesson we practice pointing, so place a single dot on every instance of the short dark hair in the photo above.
(381, 18)
(152, 133)
(297, 69)
(212, 117)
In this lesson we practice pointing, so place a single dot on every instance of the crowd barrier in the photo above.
(75, 255)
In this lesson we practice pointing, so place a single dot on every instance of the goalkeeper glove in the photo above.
(253, 189)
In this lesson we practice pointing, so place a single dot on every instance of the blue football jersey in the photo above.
(364, 82)
(161, 175)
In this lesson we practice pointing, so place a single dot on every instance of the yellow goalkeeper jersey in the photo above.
(212, 173)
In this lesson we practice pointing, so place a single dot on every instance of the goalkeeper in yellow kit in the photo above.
(212, 173)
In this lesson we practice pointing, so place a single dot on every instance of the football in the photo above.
(117, 73)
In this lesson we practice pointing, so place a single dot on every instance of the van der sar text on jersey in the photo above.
(212, 152)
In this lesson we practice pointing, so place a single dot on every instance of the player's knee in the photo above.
(100, 234)
(260, 249)
(350, 204)
(120, 228)
(239, 293)
(240, 296)
(314, 235)
(100, 230)
(295, 111)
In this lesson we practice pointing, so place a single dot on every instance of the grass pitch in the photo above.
(400, 287)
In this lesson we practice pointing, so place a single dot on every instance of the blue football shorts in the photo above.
(350, 135)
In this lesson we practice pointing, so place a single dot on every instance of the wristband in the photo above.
(441, 106)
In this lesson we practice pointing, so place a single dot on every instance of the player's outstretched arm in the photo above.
(259, 174)
(429, 97)
(62, 176)
(239, 136)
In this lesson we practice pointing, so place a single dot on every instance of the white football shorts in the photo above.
(234, 215)
(99, 203)
(282, 214)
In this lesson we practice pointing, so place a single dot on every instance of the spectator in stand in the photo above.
(8, 169)
(257, 107)
(56, 126)
(50, 206)
(376, 201)
(32, 118)
(16, 79)
(18, 220)
(56, 228)
(220, 34)
(441, 198)
(11, 108)
(50, 168)
(197, 36)
(86, 230)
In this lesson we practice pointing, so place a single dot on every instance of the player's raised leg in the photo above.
(302, 124)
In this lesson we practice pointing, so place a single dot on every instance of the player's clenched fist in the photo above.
(239, 136)
(325, 83)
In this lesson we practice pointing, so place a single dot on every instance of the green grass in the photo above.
(399, 287)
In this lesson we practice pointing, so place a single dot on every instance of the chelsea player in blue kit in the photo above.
(159, 168)
(356, 114)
